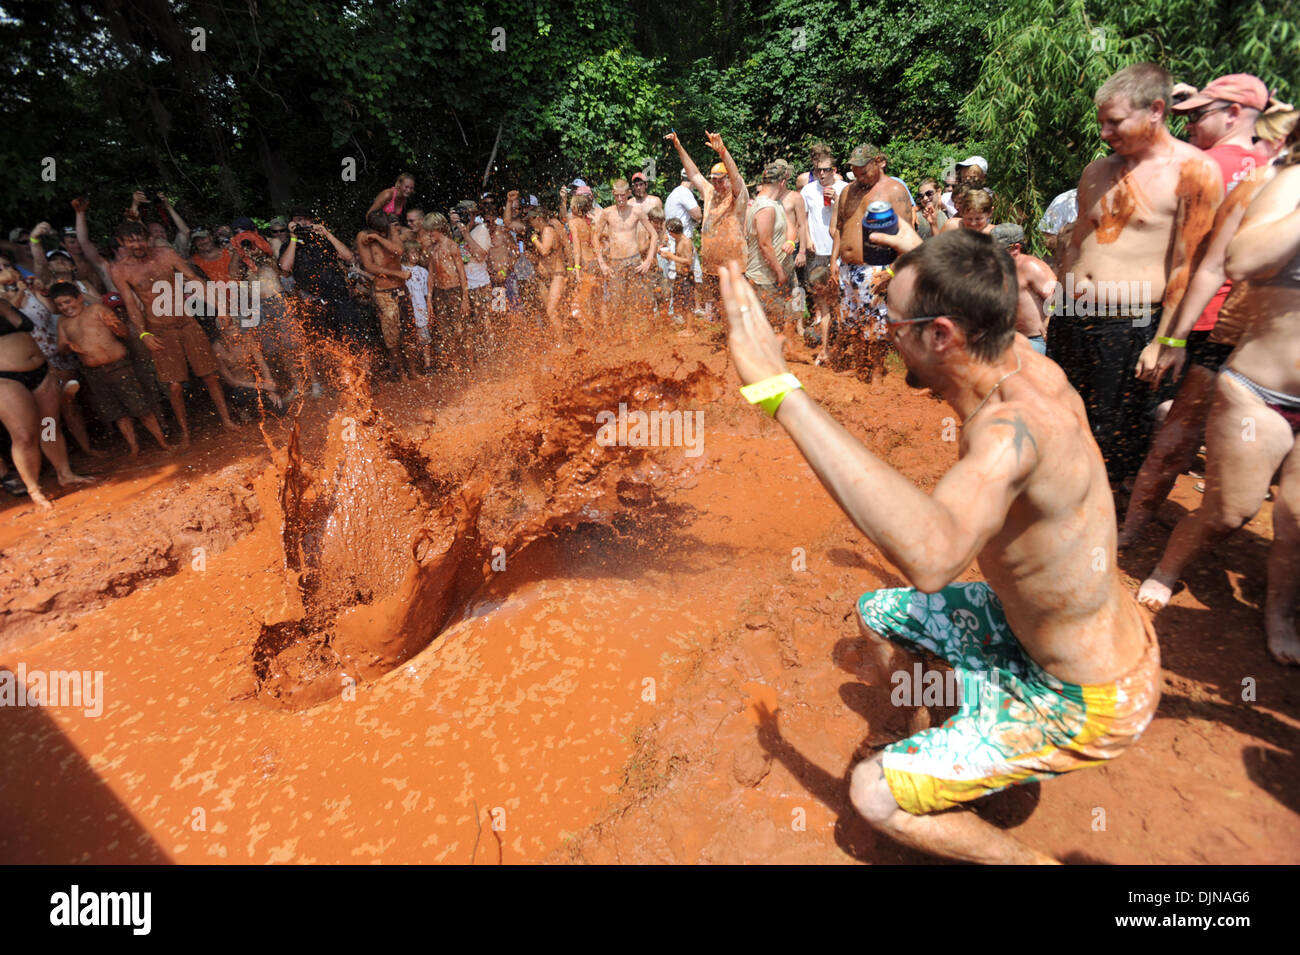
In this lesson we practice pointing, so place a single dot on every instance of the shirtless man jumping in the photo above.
(1060, 667)
(722, 233)
(619, 255)
(1144, 211)
(861, 319)
(1037, 285)
(175, 340)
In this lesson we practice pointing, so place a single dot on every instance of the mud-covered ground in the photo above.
(444, 622)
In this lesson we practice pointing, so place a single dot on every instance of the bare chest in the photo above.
(1143, 199)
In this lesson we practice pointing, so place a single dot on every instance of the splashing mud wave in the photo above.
(384, 546)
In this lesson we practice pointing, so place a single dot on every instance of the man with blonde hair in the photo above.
(619, 252)
(1144, 212)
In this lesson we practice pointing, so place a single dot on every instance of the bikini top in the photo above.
(9, 328)
(1288, 275)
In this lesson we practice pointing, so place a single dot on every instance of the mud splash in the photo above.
(384, 548)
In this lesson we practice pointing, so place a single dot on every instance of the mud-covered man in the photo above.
(1036, 281)
(726, 200)
(1060, 668)
(1144, 212)
(95, 333)
(146, 277)
(862, 316)
(623, 258)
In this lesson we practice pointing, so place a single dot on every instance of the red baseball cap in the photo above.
(1241, 88)
(639, 177)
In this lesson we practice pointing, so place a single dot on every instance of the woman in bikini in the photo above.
(1251, 431)
(392, 201)
(29, 397)
(1174, 447)
(546, 245)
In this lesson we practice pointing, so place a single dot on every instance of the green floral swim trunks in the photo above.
(1017, 723)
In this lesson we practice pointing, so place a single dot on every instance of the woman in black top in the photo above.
(29, 400)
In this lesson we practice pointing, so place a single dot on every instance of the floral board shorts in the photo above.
(1017, 723)
(861, 312)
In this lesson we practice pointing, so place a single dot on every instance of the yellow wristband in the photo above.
(1172, 342)
(770, 392)
(889, 271)
(143, 334)
(293, 239)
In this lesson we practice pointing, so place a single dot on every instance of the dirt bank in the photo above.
(446, 623)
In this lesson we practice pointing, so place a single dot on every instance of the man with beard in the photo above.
(1060, 668)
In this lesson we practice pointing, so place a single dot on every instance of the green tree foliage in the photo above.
(237, 106)
(1033, 102)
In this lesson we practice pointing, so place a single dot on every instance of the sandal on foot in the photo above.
(12, 483)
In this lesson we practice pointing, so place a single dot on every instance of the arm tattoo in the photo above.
(1021, 432)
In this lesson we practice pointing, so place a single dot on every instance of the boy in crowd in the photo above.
(94, 332)
(243, 368)
(449, 305)
(417, 286)
(679, 255)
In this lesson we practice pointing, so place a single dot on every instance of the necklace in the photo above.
(993, 389)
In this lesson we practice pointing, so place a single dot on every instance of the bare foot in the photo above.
(39, 499)
(229, 425)
(1154, 594)
(73, 478)
(134, 452)
(1283, 643)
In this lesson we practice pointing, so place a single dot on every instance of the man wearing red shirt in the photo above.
(1221, 121)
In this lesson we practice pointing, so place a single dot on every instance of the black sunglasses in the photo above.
(820, 169)
(1196, 115)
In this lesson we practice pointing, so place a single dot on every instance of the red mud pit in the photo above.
(363, 682)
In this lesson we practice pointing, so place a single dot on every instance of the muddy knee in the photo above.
(869, 792)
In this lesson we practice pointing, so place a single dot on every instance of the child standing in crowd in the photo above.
(675, 257)
(417, 286)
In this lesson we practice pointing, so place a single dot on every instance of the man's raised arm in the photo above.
(930, 538)
(738, 188)
(692, 170)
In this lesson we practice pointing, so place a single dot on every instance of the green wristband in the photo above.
(1172, 342)
(770, 392)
